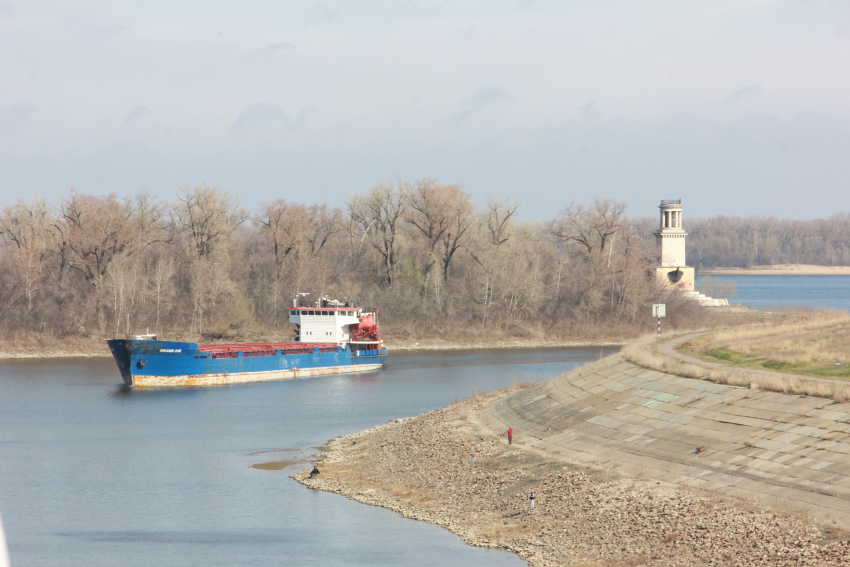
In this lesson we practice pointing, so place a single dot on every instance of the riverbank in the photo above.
(33, 349)
(779, 270)
(439, 344)
(37, 349)
(446, 467)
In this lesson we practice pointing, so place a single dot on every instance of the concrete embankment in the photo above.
(616, 455)
(788, 451)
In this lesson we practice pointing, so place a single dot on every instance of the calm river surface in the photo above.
(98, 475)
(770, 292)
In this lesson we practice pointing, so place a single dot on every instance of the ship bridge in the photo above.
(335, 324)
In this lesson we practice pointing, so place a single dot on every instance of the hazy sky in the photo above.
(737, 107)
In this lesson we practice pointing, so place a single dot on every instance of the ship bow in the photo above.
(121, 352)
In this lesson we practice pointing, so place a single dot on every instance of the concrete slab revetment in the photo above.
(750, 444)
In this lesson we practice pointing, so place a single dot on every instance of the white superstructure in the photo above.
(324, 324)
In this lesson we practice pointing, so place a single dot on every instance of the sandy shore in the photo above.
(779, 270)
(442, 467)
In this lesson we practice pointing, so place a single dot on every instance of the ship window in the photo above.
(309, 313)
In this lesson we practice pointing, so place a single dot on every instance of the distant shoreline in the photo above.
(98, 350)
(779, 270)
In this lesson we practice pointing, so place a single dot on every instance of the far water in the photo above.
(95, 474)
(772, 292)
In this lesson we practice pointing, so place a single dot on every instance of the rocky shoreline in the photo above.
(445, 468)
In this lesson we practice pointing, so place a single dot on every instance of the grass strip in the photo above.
(819, 369)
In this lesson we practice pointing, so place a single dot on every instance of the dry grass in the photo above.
(816, 340)
(642, 353)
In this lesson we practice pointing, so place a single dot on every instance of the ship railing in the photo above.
(265, 352)
(224, 354)
(266, 349)
(298, 350)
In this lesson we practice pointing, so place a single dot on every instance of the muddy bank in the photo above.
(33, 349)
(438, 344)
(24, 349)
(442, 467)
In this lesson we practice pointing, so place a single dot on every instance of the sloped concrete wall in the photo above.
(786, 450)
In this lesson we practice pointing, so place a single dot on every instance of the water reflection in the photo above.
(123, 392)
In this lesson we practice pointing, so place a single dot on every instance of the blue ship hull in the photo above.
(169, 363)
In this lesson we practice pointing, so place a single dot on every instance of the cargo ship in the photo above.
(332, 338)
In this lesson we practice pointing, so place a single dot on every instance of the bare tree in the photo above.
(497, 221)
(29, 228)
(285, 224)
(443, 215)
(159, 276)
(323, 222)
(592, 229)
(209, 216)
(93, 231)
(380, 213)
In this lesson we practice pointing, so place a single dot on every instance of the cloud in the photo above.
(260, 116)
(14, 118)
(304, 114)
(274, 51)
(590, 112)
(137, 113)
(322, 14)
(480, 100)
(744, 92)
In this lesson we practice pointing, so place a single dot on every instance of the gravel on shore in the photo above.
(440, 467)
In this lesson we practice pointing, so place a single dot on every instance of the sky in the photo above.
(736, 107)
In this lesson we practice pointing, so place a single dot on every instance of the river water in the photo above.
(772, 292)
(95, 474)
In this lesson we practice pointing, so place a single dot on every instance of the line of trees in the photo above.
(753, 241)
(436, 263)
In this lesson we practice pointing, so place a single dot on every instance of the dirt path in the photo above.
(669, 348)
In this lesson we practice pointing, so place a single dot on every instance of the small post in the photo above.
(659, 310)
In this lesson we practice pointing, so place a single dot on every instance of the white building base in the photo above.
(704, 300)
